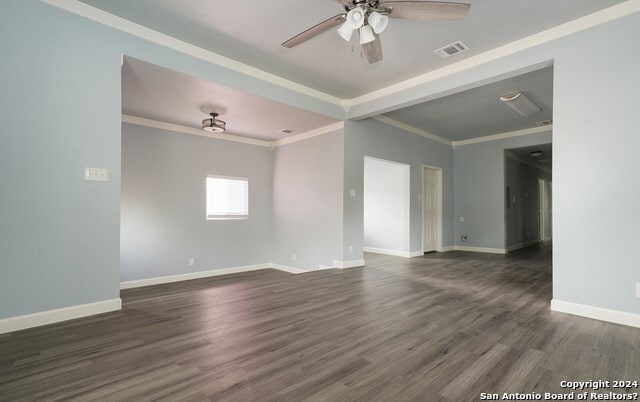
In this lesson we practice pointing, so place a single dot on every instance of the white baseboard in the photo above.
(522, 245)
(291, 270)
(482, 249)
(416, 254)
(444, 249)
(397, 253)
(321, 267)
(348, 264)
(58, 315)
(192, 275)
(598, 313)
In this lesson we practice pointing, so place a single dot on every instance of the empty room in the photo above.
(319, 200)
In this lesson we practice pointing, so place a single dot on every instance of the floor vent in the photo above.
(451, 49)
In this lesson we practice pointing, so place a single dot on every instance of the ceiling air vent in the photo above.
(544, 123)
(451, 49)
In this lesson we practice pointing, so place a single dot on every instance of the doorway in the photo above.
(431, 209)
(386, 207)
(544, 191)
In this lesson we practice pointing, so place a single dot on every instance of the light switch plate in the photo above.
(96, 174)
(352, 193)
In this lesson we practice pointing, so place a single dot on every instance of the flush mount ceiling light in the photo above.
(520, 103)
(214, 125)
(536, 154)
(371, 17)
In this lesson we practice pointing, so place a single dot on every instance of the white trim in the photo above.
(522, 245)
(482, 249)
(598, 313)
(348, 264)
(288, 269)
(321, 267)
(406, 127)
(309, 134)
(190, 130)
(191, 275)
(124, 25)
(501, 136)
(414, 254)
(548, 35)
(445, 249)
(58, 315)
(397, 253)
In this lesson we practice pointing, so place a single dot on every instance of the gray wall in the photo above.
(480, 191)
(522, 213)
(373, 138)
(60, 108)
(163, 204)
(307, 201)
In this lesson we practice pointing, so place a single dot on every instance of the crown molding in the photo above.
(309, 134)
(406, 127)
(124, 25)
(600, 17)
(501, 136)
(190, 130)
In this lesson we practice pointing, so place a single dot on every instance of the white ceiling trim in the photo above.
(589, 21)
(412, 129)
(189, 130)
(501, 136)
(309, 134)
(526, 162)
(143, 32)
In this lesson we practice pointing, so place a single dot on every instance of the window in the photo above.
(227, 197)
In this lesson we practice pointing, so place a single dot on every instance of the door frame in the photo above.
(439, 203)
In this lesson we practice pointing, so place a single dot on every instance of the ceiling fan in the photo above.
(370, 17)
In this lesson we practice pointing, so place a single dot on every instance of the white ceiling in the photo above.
(251, 31)
(478, 112)
(157, 93)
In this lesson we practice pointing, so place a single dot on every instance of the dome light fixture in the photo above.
(214, 125)
(536, 154)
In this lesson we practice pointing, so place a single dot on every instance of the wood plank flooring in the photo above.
(443, 327)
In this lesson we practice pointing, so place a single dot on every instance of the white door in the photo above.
(430, 212)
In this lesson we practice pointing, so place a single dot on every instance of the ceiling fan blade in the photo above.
(315, 30)
(373, 50)
(426, 10)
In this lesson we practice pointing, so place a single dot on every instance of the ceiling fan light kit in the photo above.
(345, 31)
(371, 17)
(378, 21)
(520, 103)
(366, 34)
(214, 125)
(355, 17)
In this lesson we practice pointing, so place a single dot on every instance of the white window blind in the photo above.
(227, 197)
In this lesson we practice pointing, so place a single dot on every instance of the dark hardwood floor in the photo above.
(446, 326)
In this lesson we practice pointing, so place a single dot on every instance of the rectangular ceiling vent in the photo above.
(451, 49)
(544, 123)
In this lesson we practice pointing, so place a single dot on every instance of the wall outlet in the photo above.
(638, 289)
(462, 219)
(352, 193)
(464, 238)
(351, 248)
(192, 262)
(96, 174)
(293, 257)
